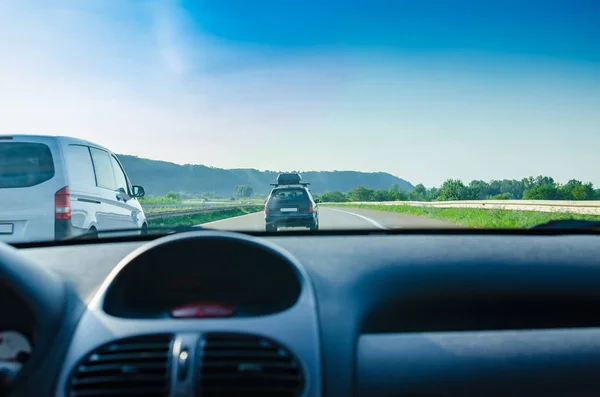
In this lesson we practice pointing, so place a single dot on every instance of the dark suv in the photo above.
(291, 206)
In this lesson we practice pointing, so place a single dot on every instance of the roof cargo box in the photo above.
(289, 179)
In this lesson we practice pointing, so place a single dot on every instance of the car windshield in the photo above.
(263, 116)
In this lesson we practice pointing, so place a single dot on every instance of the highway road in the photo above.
(337, 218)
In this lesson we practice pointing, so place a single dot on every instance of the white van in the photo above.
(54, 187)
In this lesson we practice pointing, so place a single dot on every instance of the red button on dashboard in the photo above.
(203, 310)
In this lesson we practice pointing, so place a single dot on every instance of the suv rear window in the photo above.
(24, 164)
(289, 194)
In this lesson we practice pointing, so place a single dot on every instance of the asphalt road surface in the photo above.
(338, 218)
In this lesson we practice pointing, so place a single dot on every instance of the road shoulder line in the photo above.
(371, 221)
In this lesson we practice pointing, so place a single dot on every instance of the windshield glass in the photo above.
(283, 115)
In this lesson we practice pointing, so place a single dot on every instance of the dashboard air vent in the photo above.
(137, 366)
(247, 365)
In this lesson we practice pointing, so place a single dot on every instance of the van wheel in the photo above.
(93, 233)
(144, 229)
(271, 228)
(314, 226)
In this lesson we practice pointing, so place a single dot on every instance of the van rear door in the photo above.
(86, 197)
(30, 175)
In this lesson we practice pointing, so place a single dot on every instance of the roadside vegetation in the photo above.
(531, 188)
(175, 201)
(169, 198)
(480, 218)
(538, 188)
(196, 219)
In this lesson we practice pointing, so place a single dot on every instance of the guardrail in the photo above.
(194, 205)
(170, 214)
(178, 205)
(591, 207)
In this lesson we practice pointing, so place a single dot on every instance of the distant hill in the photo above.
(160, 177)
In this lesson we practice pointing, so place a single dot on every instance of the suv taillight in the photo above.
(62, 204)
(310, 206)
(267, 207)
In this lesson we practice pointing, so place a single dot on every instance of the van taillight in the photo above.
(267, 207)
(310, 206)
(62, 204)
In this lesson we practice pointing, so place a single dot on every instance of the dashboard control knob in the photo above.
(183, 365)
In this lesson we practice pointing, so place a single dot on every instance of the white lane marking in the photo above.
(371, 221)
(227, 219)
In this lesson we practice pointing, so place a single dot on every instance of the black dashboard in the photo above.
(210, 313)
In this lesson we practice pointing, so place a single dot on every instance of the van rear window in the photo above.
(24, 164)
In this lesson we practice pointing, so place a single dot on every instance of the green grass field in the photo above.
(479, 218)
(196, 219)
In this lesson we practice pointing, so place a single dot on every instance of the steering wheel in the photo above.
(55, 314)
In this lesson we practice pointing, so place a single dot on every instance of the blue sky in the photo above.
(425, 90)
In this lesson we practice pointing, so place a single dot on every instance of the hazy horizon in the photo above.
(407, 179)
(425, 91)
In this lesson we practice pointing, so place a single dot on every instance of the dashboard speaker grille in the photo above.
(137, 366)
(247, 365)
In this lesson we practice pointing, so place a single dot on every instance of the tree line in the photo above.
(532, 188)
